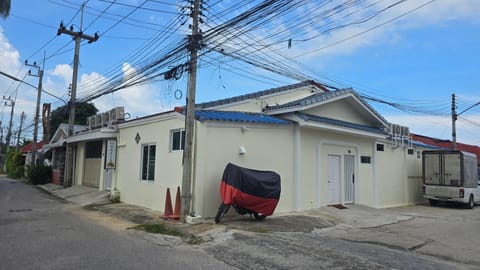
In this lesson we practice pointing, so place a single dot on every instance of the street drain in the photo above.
(19, 210)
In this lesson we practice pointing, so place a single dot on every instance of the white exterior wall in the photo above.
(267, 148)
(316, 146)
(168, 164)
(340, 110)
(256, 105)
(79, 163)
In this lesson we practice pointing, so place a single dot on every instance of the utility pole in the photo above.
(77, 37)
(194, 41)
(46, 121)
(37, 108)
(454, 119)
(22, 118)
(9, 102)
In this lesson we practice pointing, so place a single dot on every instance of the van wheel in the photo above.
(433, 202)
(471, 202)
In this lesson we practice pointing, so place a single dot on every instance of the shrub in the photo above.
(15, 164)
(40, 174)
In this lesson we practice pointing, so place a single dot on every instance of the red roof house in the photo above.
(448, 144)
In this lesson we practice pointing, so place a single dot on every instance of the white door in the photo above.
(333, 179)
(349, 178)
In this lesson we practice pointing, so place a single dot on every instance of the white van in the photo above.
(451, 176)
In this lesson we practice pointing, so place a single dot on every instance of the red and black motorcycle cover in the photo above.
(256, 190)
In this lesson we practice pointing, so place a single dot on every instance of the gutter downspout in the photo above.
(194, 168)
(296, 167)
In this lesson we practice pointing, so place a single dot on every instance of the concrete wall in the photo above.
(316, 145)
(168, 164)
(341, 110)
(266, 148)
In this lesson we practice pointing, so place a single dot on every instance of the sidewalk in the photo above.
(353, 216)
(80, 195)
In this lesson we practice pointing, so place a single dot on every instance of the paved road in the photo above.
(40, 232)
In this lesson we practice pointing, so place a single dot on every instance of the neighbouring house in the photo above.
(26, 151)
(330, 147)
(447, 144)
(94, 149)
(56, 146)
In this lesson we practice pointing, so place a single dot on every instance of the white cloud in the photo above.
(137, 100)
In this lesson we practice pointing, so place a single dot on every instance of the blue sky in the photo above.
(416, 61)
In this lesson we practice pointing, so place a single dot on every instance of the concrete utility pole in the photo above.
(455, 116)
(37, 108)
(46, 121)
(9, 102)
(454, 119)
(77, 36)
(22, 119)
(194, 41)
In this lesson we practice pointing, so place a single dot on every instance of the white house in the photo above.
(330, 147)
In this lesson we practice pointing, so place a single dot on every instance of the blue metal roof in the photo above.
(231, 116)
(335, 122)
(260, 94)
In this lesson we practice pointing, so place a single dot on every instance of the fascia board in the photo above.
(303, 123)
(153, 119)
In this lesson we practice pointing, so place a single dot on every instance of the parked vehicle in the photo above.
(450, 176)
(248, 192)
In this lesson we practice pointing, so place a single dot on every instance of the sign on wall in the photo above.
(111, 154)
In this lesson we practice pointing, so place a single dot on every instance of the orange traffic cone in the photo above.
(168, 205)
(178, 205)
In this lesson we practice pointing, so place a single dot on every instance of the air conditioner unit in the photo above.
(106, 118)
(98, 120)
(119, 113)
(90, 121)
(405, 131)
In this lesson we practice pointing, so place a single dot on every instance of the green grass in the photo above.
(162, 229)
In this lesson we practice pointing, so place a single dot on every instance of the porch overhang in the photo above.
(100, 134)
(316, 122)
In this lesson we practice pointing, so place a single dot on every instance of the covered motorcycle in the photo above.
(249, 191)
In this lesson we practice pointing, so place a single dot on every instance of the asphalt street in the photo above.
(38, 231)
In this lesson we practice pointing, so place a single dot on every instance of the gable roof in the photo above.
(233, 116)
(258, 94)
(28, 148)
(447, 144)
(339, 123)
(315, 99)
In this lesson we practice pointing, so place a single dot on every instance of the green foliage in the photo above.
(82, 111)
(40, 174)
(4, 8)
(15, 164)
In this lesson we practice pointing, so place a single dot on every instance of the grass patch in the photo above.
(162, 229)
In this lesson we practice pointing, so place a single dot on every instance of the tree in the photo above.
(82, 111)
(4, 8)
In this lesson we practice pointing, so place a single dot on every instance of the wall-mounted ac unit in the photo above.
(120, 113)
(91, 122)
(98, 120)
(106, 118)
(405, 131)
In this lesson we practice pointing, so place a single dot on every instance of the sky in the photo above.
(410, 54)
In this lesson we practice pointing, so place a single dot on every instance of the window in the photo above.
(177, 140)
(410, 151)
(365, 159)
(380, 147)
(94, 149)
(148, 162)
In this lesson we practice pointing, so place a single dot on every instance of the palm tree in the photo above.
(4, 8)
